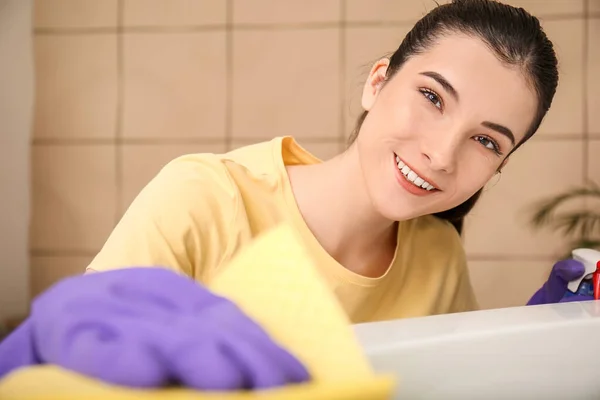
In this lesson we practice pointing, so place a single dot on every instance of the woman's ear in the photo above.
(374, 83)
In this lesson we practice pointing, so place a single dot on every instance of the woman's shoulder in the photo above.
(211, 186)
(260, 157)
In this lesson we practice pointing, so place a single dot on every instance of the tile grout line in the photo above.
(107, 30)
(342, 71)
(250, 139)
(62, 253)
(228, 75)
(517, 258)
(128, 141)
(256, 26)
(120, 112)
(585, 116)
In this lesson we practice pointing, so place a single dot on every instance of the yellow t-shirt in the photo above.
(197, 213)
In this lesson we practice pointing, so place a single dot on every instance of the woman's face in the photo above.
(441, 127)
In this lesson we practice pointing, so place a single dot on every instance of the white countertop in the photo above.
(536, 352)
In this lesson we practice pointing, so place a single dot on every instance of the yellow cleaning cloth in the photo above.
(275, 282)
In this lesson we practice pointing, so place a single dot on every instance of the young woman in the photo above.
(469, 84)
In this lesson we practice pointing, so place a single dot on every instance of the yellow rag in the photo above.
(275, 282)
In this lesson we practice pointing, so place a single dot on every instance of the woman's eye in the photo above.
(432, 97)
(488, 143)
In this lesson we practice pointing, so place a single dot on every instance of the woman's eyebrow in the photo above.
(443, 82)
(500, 129)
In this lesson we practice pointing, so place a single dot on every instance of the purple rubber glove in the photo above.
(148, 327)
(556, 286)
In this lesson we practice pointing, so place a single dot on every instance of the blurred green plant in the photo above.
(581, 227)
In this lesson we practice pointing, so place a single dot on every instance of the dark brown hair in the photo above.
(516, 38)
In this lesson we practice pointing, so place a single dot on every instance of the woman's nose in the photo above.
(441, 153)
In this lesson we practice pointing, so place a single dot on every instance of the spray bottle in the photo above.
(589, 283)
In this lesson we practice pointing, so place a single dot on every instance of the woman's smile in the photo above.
(411, 180)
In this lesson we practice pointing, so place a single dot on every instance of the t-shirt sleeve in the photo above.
(179, 221)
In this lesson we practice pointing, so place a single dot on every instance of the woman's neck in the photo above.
(333, 200)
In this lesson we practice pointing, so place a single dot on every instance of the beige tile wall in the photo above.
(123, 86)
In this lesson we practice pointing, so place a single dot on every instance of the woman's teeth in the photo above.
(412, 177)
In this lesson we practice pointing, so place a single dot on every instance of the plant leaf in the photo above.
(546, 209)
(586, 244)
(582, 223)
